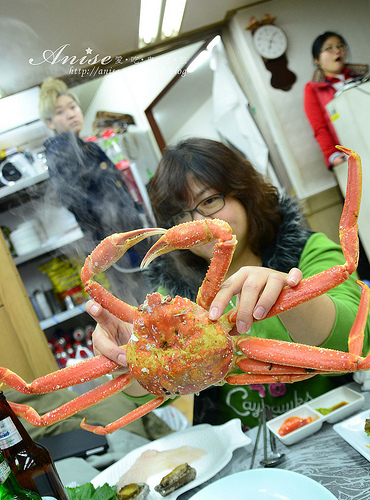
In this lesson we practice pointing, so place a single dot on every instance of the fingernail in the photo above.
(213, 313)
(122, 359)
(259, 313)
(94, 309)
(242, 326)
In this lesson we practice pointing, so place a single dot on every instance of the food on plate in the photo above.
(326, 411)
(367, 426)
(87, 491)
(293, 423)
(151, 462)
(177, 478)
(133, 491)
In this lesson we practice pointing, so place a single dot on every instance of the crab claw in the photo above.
(111, 249)
(189, 235)
(105, 254)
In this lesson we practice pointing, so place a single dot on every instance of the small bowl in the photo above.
(354, 401)
(302, 411)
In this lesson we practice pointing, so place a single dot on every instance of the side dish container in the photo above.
(338, 403)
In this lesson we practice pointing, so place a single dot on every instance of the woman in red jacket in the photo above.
(329, 52)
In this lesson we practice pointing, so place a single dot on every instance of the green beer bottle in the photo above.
(9, 486)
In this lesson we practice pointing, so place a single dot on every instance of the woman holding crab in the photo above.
(203, 179)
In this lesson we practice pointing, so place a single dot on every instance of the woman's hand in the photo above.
(110, 333)
(257, 288)
(339, 159)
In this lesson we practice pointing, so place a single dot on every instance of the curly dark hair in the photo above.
(218, 167)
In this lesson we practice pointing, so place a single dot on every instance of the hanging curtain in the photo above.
(231, 115)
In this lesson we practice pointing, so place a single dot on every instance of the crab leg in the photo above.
(356, 336)
(252, 378)
(76, 405)
(197, 233)
(109, 251)
(258, 367)
(292, 354)
(321, 283)
(126, 419)
(310, 357)
(86, 370)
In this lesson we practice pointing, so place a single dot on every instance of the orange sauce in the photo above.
(293, 423)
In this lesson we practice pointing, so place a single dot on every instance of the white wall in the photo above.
(200, 124)
(132, 89)
(302, 21)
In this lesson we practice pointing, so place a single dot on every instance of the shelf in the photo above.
(63, 316)
(50, 245)
(23, 184)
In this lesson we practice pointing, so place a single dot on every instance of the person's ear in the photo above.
(316, 62)
(49, 124)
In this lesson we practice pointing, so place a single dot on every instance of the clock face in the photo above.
(270, 41)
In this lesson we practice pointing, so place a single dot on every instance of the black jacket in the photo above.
(91, 187)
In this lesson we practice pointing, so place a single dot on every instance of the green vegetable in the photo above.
(88, 492)
(367, 426)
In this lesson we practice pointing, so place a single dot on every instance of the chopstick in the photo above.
(257, 439)
(264, 429)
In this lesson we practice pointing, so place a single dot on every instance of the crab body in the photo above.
(174, 340)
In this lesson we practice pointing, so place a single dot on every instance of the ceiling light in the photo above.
(150, 13)
(172, 18)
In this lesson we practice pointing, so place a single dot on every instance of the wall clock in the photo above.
(271, 43)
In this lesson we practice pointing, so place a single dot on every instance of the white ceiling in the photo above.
(34, 29)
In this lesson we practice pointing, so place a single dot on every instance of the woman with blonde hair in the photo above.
(88, 184)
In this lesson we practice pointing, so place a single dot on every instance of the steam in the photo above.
(100, 209)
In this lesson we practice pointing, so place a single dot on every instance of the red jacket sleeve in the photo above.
(316, 115)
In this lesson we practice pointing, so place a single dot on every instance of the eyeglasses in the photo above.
(209, 206)
(333, 48)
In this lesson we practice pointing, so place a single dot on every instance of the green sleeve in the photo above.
(321, 253)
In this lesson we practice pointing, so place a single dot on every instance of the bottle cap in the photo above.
(109, 132)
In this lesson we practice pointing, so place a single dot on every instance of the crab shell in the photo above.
(175, 348)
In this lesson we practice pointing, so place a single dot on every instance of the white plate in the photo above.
(265, 484)
(352, 431)
(219, 441)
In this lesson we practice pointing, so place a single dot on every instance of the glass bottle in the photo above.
(30, 462)
(111, 147)
(9, 486)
